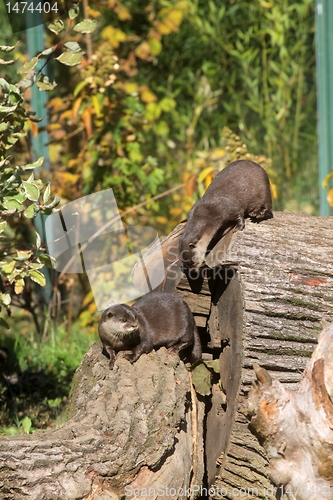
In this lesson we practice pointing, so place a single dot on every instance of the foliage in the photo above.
(23, 196)
(203, 373)
(37, 374)
(163, 81)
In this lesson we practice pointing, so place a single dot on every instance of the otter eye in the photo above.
(123, 320)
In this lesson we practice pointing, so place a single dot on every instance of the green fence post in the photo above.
(35, 42)
(324, 49)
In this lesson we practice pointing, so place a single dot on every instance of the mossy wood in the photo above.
(141, 426)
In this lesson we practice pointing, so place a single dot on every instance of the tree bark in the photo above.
(140, 426)
(266, 307)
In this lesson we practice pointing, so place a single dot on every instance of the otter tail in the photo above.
(196, 349)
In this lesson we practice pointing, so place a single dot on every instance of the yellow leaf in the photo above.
(155, 46)
(203, 174)
(113, 35)
(143, 50)
(266, 5)
(19, 286)
(123, 13)
(54, 126)
(153, 111)
(130, 88)
(163, 28)
(148, 96)
(327, 179)
(330, 197)
(273, 190)
(88, 298)
(96, 105)
(216, 154)
(208, 180)
(75, 108)
(93, 13)
(34, 128)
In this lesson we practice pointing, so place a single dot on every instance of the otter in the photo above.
(157, 319)
(240, 190)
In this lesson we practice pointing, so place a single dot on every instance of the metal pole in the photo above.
(35, 42)
(324, 50)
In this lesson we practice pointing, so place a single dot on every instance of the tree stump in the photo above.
(139, 431)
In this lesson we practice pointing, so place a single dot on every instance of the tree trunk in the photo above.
(140, 426)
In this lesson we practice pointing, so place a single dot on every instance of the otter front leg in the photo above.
(143, 347)
(240, 223)
(110, 353)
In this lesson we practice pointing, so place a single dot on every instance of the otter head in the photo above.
(119, 320)
(189, 254)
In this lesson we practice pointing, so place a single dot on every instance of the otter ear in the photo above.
(191, 245)
(109, 315)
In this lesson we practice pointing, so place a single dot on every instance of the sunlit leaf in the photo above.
(70, 58)
(86, 26)
(37, 277)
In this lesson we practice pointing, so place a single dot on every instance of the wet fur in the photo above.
(162, 318)
(240, 190)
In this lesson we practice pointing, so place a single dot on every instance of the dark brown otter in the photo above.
(240, 190)
(157, 319)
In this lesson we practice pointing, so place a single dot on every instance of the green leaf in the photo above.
(213, 364)
(37, 163)
(26, 424)
(86, 26)
(28, 66)
(73, 46)
(37, 277)
(5, 298)
(201, 378)
(46, 84)
(48, 261)
(8, 268)
(12, 204)
(4, 85)
(30, 212)
(3, 225)
(56, 27)
(167, 104)
(8, 63)
(23, 254)
(47, 193)
(4, 126)
(3, 322)
(27, 82)
(31, 190)
(7, 109)
(47, 52)
(8, 48)
(38, 241)
(74, 11)
(70, 58)
(79, 87)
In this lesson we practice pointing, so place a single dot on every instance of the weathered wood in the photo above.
(284, 274)
(129, 428)
(296, 428)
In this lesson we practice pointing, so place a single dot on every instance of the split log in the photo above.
(140, 427)
(296, 428)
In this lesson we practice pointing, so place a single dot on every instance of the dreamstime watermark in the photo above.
(122, 264)
(28, 14)
(87, 235)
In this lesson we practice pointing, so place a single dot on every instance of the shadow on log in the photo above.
(140, 426)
